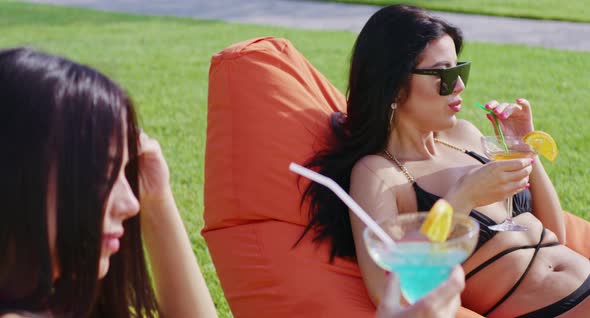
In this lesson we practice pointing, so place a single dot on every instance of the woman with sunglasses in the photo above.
(76, 171)
(400, 148)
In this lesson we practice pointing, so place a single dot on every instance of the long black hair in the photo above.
(385, 52)
(59, 122)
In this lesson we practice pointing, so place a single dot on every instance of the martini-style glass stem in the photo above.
(509, 209)
(508, 224)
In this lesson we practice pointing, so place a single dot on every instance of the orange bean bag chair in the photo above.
(268, 106)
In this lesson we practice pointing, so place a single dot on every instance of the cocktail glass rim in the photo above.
(510, 141)
(473, 231)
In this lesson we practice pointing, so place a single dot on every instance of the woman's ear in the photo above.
(402, 96)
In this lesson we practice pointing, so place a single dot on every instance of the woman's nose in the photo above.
(459, 86)
(126, 204)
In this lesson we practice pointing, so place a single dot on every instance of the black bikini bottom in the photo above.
(565, 304)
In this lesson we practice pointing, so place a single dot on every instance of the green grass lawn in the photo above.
(570, 10)
(163, 62)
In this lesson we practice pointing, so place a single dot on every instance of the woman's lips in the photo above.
(111, 241)
(455, 106)
(112, 244)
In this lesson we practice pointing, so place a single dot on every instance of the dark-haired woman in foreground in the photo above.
(75, 173)
(400, 147)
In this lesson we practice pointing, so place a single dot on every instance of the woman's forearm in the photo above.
(459, 202)
(180, 287)
(546, 206)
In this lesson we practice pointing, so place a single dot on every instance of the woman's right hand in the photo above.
(442, 302)
(490, 183)
(154, 176)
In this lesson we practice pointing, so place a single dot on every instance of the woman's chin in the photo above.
(454, 121)
(103, 267)
(450, 124)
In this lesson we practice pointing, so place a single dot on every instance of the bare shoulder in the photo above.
(464, 134)
(11, 315)
(374, 185)
(379, 169)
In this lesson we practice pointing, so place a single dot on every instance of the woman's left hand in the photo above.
(154, 176)
(515, 119)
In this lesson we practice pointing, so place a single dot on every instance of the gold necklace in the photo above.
(403, 168)
(400, 166)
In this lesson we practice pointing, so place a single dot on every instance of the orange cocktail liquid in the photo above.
(513, 154)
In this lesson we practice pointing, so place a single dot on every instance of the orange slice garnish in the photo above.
(437, 225)
(543, 144)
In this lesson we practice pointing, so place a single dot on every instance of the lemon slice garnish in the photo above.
(543, 144)
(437, 225)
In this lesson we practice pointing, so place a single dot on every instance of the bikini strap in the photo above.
(400, 166)
(513, 289)
(504, 252)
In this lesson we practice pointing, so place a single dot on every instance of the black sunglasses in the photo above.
(448, 76)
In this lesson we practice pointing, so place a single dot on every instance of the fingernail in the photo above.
(503, 116)
(387, 273)
(528, 185)
(532, 160)
(496, 111)
(488, 106)
(519, 100)
(490, 117)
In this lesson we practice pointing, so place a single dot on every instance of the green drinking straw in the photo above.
(496, 122)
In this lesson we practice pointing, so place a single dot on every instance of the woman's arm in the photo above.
(546, 205)
(378, 200)
(489, 183)
(180, 287)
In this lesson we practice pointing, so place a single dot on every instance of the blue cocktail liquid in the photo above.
(420, 267)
